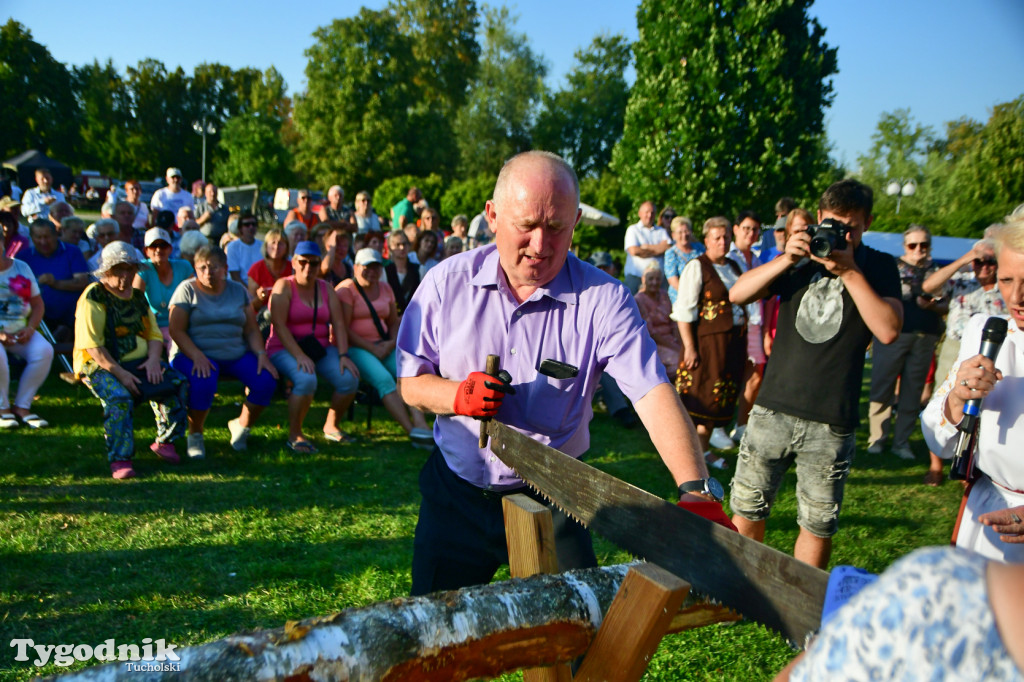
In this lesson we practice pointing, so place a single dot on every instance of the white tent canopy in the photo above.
(593, 216)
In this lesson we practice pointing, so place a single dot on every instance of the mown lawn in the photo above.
(249, 540)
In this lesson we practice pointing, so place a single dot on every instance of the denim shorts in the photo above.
(773, 442)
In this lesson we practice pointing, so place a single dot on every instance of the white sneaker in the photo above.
(737, 433)
(239, 435)
(196, 446)
(720, 440)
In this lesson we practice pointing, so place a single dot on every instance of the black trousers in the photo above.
(460, 535)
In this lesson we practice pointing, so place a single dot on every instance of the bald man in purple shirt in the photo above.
(525, 299)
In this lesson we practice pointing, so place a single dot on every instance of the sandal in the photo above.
(934, 478)
(714, 461)
(303, 447)
(339, 437)
(9, 421)
(34, 421)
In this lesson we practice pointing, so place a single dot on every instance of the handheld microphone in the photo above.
(962, 466)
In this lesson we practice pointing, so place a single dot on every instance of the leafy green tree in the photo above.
(104, 102)
(446, 52)
(252, 147)
(727, 110)
(352, 120)
(252, 151)
(583, 121)
(496, 120)
(604, 193)
(39, 109)
(899, 152)
(160, 133)
(987, 179)
(467, 196)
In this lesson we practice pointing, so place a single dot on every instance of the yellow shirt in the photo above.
(132, 318)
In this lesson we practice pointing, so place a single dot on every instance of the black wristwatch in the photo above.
(704, 486)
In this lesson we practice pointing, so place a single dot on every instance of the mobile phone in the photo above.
(558, 370)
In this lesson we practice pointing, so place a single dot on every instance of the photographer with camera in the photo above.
(835, 293)
(910, 357)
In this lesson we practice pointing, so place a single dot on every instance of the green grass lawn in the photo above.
(194, 552)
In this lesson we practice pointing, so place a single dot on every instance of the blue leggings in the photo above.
(261, 384)
(378, 373)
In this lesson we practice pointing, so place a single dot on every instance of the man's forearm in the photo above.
(429, 392)
(883, 316)
(753, 285)
(672, 433)
(648, 250)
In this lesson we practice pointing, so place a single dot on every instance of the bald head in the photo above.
(530, 161)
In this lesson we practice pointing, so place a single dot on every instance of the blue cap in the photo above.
(307, 249)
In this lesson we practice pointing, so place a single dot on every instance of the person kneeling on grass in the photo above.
(214, 331)
(303, 312)
(117, 355)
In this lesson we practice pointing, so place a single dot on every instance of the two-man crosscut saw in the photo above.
(759, 582)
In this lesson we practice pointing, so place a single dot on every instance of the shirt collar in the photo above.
(560, 288)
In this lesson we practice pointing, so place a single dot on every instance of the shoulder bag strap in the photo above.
(373, 312)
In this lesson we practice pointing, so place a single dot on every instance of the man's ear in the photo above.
(491, 213)
(867, 222)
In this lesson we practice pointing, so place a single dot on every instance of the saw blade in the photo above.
(763, 584)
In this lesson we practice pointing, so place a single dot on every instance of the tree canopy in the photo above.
(727, 111)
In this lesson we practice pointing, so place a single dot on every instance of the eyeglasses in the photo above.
(919, 245)
(304, 198)
(158, 245)
(982, 262)
(105, 234)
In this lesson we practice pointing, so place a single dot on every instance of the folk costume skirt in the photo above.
(710, 392)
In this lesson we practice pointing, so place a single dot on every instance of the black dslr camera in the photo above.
(828, 237)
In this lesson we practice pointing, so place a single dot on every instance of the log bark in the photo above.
(475, 632)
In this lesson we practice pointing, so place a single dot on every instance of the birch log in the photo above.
(475, 632)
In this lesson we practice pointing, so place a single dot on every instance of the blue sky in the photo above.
(944, 59)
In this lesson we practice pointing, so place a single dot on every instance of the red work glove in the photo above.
(480, 395)
(712, 511)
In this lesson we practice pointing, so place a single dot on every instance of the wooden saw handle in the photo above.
(492, 369)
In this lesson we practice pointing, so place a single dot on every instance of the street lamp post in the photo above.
(899, 189)
(205, 128)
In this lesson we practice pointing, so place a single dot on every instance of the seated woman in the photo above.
(304, 312)
(264, 274)
(655, 308)
(190, 243)
(403, 275)
(372, 332)
(714, 336)
(21, 313)
(159, 276)
(426, 251)
(214, 331)
(992, 520)
(336, 266)
(117, 354)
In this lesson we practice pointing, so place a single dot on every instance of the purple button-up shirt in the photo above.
(464, 310)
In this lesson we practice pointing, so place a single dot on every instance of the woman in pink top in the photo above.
(303, 313)
(373, 339)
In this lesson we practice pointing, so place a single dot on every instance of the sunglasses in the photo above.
(919, 245)
(982, 262)
(249, 223)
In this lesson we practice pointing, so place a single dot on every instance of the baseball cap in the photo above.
(601, 259)
(309, 249)
(368, 256)
(780, 223)
(172, 171)
(156, 234)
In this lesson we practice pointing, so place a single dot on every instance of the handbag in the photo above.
(165, 388)
(309, 344)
